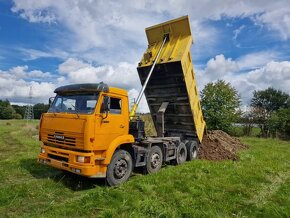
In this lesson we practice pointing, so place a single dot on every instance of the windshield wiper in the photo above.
(76, 110)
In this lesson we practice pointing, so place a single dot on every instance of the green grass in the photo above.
(256, 186)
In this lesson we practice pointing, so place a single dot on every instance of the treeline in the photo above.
(8, 111)
(269, 110)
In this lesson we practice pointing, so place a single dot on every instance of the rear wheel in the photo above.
(120, 168)
(191, 150)
(154, 160)
(181, 153)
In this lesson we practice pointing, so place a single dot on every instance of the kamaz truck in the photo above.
(89, 129)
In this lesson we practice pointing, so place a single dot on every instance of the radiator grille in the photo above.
(63, 138)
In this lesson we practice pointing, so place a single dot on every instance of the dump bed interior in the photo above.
(172, 80)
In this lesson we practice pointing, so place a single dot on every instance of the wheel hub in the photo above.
(155, 160)
(121, 168)
(181, 154)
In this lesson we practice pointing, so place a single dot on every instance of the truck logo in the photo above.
(59, 137)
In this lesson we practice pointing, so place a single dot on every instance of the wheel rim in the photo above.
(155, 160)
(181, 154)
(120, 169)
(194, 153)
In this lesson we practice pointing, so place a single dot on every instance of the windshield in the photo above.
(82, 103)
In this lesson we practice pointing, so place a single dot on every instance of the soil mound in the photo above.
(218, 145)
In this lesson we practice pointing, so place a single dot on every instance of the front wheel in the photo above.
(120, 168)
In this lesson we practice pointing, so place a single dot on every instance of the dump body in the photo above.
(173, 80)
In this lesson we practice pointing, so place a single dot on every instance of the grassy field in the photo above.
(256, 186)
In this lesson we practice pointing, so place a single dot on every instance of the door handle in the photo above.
(122, 126)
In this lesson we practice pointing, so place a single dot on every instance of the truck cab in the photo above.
(82, 128)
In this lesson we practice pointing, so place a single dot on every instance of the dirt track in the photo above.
(218, 145)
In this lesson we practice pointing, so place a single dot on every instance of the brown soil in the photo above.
(218, 145)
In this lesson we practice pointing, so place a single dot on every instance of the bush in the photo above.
(17, 116)
(279, 123)
(236, 131)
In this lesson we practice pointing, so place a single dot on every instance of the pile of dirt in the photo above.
(218, 145)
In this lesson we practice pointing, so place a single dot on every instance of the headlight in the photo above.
(82, 159)
(42, 150)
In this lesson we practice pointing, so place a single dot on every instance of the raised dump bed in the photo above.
(173, 81)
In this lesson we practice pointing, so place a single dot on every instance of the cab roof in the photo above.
(90, 87)
(84, 87)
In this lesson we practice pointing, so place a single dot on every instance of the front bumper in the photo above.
(67, 160)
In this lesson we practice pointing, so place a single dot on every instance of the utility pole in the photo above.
(29, 114)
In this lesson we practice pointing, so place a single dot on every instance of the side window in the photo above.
(115, 105)
(58, 103)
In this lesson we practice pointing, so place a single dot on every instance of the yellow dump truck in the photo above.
(89, 130)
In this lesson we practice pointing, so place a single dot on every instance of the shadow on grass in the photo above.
(70, 180)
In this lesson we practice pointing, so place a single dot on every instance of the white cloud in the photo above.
(256, 59)
(238, 31)
(108, 32)
(16, 82)
(33, 54)
(21, 72)
(272, 74)
(123, 75)
(40, 12)
(143, 106)
(72, 64)
(216, 68)
(277, 20)
(104, 40)
(276, 74)
(127, 15)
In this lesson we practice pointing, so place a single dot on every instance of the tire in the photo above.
(181, 154)
(154, 160)
(120, 168)
(191, 150)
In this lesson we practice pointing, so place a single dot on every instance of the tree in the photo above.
(19, 110)
(270, 100)
(39, 109)
(266, 102)
(220, 103)
(279, 123)
(249, 118)
(7, 111)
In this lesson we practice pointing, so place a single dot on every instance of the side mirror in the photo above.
(50, 100)
(105, 108)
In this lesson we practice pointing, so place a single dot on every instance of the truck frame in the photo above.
(89, 130)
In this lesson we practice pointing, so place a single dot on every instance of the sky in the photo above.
(45, 44)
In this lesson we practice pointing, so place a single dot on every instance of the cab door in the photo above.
(111, 123)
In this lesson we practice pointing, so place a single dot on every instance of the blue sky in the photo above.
(45, 44)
